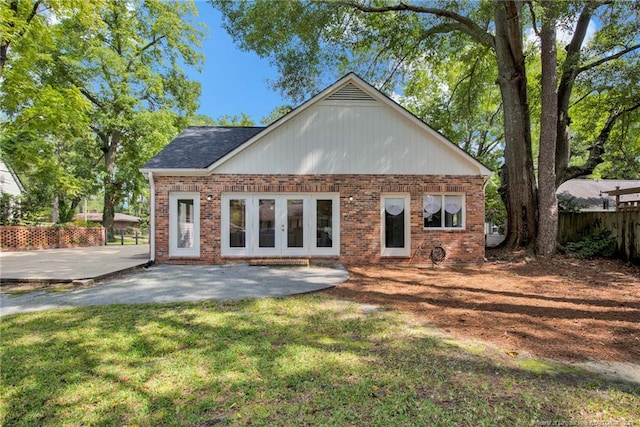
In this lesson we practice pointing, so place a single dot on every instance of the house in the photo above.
(588, 195)
(349, 175)
(9, 181)
(120, 221)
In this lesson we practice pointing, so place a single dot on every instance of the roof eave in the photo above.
(175, 171)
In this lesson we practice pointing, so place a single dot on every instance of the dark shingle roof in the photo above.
(200, 146)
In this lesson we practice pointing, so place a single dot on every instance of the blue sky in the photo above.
(233, 81)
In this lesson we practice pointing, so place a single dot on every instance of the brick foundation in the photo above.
(360, 218)
(21, 238)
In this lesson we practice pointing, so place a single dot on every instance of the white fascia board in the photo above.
(176, 172)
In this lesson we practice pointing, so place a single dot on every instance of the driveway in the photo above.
(172, 283)
(67, 265)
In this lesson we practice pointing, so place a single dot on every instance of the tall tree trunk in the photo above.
(548, 202)
(518, 178)
(565, 88)
(55, 209)
(111, 187)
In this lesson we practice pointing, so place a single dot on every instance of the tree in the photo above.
(458, 97)
(121, 63)
(389, 41)
(276, 113)
(548, 209)
(225, 120)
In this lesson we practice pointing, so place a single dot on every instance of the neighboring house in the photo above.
(120, 221)
(588, 195)
(349, 174)
(9, 181)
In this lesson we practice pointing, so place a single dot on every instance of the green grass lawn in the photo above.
(307, 360)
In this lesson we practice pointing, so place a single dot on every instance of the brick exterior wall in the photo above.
(359, 219)
(21, 238)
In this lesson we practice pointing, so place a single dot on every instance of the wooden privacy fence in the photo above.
(624, 227)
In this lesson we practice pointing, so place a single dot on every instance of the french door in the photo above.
(280, 224)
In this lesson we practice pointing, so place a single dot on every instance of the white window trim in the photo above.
(335, 222)
(390, 252)
(442, 218)
(227, 250)
(174, 250)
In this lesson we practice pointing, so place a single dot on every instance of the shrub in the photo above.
(596, 244)
(83, 223)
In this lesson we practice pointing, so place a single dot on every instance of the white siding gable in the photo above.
(8, 183)
(350, 130)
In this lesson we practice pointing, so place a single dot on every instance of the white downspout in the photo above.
(152, 219)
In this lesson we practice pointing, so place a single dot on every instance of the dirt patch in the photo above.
(559, 307)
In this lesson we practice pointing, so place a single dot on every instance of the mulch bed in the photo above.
(560, 307)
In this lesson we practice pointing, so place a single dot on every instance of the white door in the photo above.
(282, 225)
(184, 224)
(395, 225)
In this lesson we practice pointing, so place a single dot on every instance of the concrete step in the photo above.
(304, 262)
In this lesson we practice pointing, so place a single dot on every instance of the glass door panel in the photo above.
(267, 223)
(295, 223)
(237, 223)
(394, 223)
(324, 223)
(185, 223)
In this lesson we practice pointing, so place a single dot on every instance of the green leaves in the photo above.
(97, 81)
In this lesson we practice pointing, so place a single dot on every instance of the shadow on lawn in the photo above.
(427, 283)
(269, 362)
(550, 326)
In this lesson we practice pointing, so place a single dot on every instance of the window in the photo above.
(443, 211)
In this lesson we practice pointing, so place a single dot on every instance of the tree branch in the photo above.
(90, 97)
(466, 25)
(533, 18)
(597, 150)
(565, 88)
(4, 44)
(607, 59)
(149, 45)
(582, 98)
